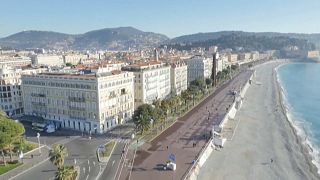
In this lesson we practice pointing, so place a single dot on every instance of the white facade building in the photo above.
(10, 89)
(179, 77)
(151, 82)
(199, 67)
(47, 59)
(14, 61)
(74, 59)
(85, 102)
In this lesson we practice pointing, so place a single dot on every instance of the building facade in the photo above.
(151, 82)
(179, 77)
(10, 89)
(14, 61)
(47, 59)
(199, 67)
(86, 102)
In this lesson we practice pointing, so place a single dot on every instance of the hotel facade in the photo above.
(151, 81)
(10, 89)
(85, 102)
(199, 67)
(179, 77)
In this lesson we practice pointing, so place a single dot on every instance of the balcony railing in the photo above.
(77, 99)
(77, 117)
(38, 103)
(38, 95)
(77, 108)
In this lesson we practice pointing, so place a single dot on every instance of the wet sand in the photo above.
(265, 145)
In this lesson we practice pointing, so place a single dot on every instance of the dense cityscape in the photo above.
(125, 104)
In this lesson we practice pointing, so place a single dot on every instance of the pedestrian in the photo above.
(167, 147)
(271, 160)
(31, 156)
(137, 141)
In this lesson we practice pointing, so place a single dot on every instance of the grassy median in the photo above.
(108, 149)
(9, 166)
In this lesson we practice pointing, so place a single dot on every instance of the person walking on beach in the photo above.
(271, 160)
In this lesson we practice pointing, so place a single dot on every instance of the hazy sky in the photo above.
(170, 17)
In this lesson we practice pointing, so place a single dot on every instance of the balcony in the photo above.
(77, 108)
(77, 117)
(38, 95)
(38, 103)
(77, 99)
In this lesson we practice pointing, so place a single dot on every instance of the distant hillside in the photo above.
(110, 38)
(313, 38)
(247, 43)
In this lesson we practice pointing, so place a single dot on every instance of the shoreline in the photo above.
(305, 148)
(266, 144)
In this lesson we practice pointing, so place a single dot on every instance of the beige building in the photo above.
(232, 58)
(94, 102)
(151, 82)
(255, 56)
(179, 77)
(10, 89)
(199, 67)
(74, 59)
(47, 59)
(14, 61)
(244, 57)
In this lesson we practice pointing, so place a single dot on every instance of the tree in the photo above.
(165, 105)
(57, 155)
(68, 64)
(4, 141)
(10, 132)
(142, 117)
(66, 173)
(234, 67)
(208, 81)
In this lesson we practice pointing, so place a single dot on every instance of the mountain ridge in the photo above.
(120, 38)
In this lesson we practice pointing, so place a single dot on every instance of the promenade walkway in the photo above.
(179, 139)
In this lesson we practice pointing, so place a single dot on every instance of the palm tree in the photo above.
(66, 173)
(143, 122)
(57, 155)
(165, 106)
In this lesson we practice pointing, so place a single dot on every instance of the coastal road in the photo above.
(114, 166)
(81, 152)
(179, 139)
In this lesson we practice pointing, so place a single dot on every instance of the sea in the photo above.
(300, 85)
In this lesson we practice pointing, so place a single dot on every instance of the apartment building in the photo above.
(14, 61)
(244, 57)
(199, 67)
(47, 59)
(74, 59)
(179, 77)
(10, 89)
(151, 81)
(232, 58)
(93, 102)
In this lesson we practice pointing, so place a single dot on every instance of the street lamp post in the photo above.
(38, 136)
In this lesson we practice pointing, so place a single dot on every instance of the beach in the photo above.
(265, 144)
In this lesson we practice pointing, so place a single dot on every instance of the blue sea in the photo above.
(300, 83)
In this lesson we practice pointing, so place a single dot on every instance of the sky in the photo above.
(170, 17)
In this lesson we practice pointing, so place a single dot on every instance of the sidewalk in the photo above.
(28, 162)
